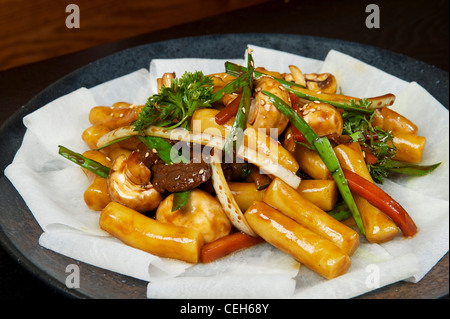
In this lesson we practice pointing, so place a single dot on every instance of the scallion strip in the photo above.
(163, 149)
(236, 84)
(236, 135)
(340, 211)
(180, 199)
(342, 106)
(90, 165)
(114, 142)
(235, 70)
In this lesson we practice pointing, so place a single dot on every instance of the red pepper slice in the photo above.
(228, 111)
(294, 99)
(369, 157)
(378, 198)
(296, 134)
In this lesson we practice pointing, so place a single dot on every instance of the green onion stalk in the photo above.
(360, 106)
(241, 81)
(87, 163)
(164, 149)
(236, 136)
(234, 70)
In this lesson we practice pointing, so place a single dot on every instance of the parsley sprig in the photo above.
(383, 169)
(174, 105)
(381, 143)
(359, 125)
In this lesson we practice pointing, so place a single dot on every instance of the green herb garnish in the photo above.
(380, 142)
(383, 169)
(340, 211)
(174, 105)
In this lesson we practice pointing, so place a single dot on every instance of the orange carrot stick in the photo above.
(226, 245)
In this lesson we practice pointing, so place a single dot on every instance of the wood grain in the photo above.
(36, 30)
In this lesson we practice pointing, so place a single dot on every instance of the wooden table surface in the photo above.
(418, 29)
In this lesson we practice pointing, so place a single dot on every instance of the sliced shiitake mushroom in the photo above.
(324, 82)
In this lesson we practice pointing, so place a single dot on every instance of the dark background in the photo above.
(418, 29)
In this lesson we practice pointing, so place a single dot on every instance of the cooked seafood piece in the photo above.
(263, 114)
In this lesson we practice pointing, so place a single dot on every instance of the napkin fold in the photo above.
(359, 79)
(53, 187)
(110, 253)
(261, 271)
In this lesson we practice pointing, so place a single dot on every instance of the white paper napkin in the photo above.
(52, 187)
(179, 66)
(261, 271)
(134, 88)
(110, 253)
(274, 60)
(359, 79)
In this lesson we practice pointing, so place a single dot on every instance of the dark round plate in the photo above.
(20, 232)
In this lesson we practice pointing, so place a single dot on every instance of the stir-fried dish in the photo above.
(216, 163)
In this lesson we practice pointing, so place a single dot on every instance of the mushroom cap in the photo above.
(324, 82)
(121, 189)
